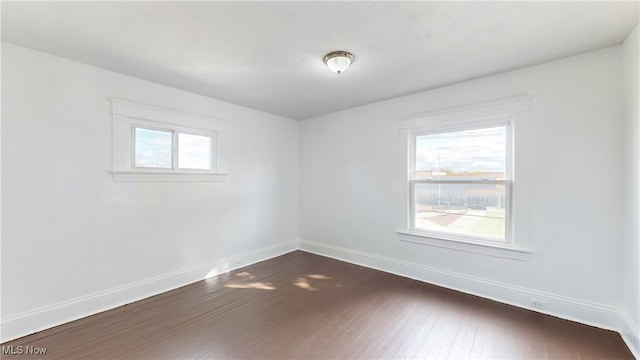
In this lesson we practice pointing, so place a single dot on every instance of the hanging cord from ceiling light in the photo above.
(339, 62)
(346, 119)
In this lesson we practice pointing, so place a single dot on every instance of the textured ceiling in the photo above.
(268, 55)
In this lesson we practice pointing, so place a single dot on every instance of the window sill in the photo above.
(173, 176)
(496, 250)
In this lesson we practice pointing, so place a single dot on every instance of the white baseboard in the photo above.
(29, 322)
(607, 317)
(630, 332)
(585, 312)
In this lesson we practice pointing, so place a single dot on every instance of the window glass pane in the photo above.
(462, 155)
(153, 148)
(194, 151)
(464, 209)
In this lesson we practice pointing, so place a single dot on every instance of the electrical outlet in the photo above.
(538, 304)
(236, 263)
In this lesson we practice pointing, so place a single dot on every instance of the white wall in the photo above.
(348, 209)
(631, 274)
(75, 242)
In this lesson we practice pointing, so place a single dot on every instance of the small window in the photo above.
(156, 144)
(460, 181)
(154, 149)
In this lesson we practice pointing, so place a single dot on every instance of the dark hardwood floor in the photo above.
(304, 306)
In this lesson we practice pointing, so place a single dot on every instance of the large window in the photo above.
(464, 178)
(156, 144)
(460, 181)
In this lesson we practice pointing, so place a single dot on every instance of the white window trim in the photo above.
(517, 109)
(495, 250)
(129, 114)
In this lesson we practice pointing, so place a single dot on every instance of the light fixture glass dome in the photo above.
(338, 61)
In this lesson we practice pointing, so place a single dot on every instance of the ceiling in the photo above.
(268, 55)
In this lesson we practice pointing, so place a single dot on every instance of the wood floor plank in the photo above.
(304, 306)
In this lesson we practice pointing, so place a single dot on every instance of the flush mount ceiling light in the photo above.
(338, 61)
